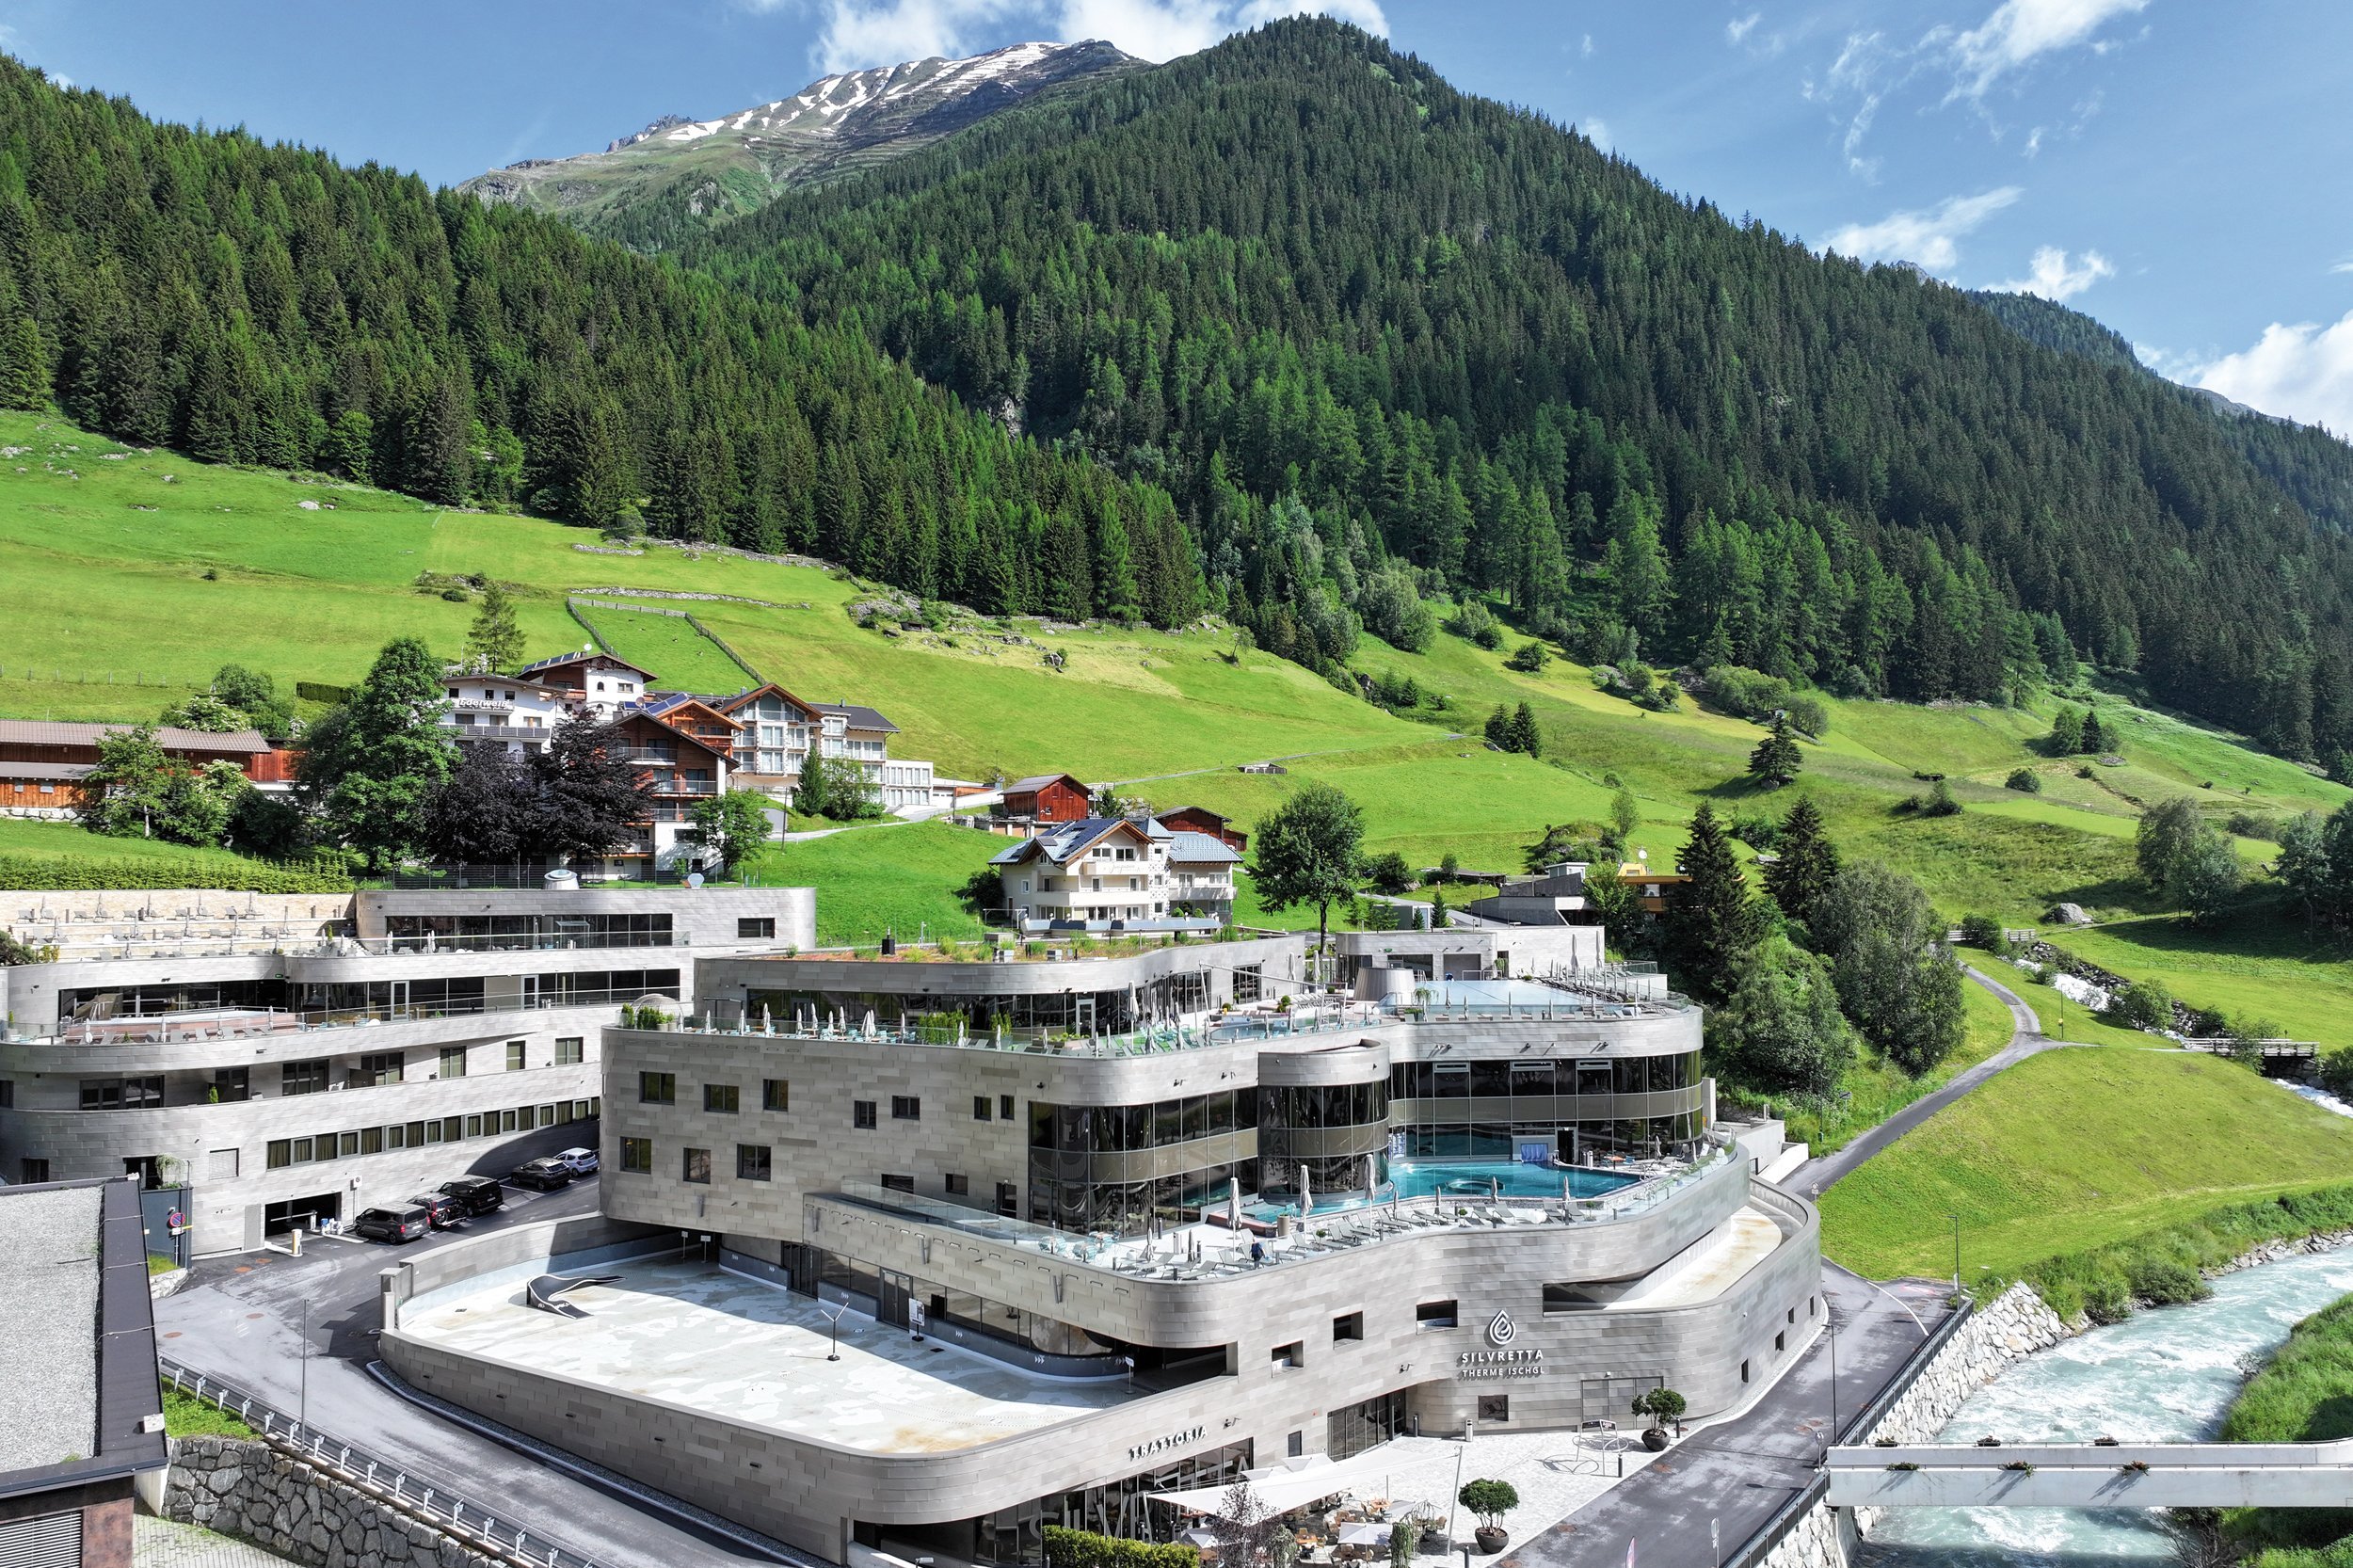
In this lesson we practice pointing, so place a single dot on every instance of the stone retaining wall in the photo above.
(1999, 1335)
(261, 1494)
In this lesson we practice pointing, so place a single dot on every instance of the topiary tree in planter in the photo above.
(1490, 1500)
(1662, 1405)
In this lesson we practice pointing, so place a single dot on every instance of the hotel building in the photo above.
(923, 1255)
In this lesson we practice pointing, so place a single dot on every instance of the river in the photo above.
(2164, 1376)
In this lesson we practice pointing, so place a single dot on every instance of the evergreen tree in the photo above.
(1776, 760)
(1711, 919)
(1525, 736)
(2067, 733)
(1804, 865)
(351, 446)
(1499, 729)
(494, 642)
(374, 765)
(2096, 739)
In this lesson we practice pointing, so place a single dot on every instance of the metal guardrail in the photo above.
(449, 1511)
(1786, 1518)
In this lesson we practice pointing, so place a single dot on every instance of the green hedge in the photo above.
(2164, 1265)
(1069, 1548)
(72, 873)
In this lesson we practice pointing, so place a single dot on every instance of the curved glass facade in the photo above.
(1326, 1132)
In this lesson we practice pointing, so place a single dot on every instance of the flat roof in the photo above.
(755, 1353)
(49, 1275)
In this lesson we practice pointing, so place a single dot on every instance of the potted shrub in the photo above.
(1662, 1405)
(1490, 1500)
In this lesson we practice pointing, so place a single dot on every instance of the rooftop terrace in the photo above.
(755, 1353)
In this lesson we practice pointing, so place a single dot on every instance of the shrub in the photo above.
(1938, 802)
(1983, 931)
(1476, 623)
(2024, 780)
(2143, 1004)
(1388, 872)
(2165, 1281)
(1661, 1404)
(1069, 1548)
(1488, 1499)
(1528, 658)
(59, 874)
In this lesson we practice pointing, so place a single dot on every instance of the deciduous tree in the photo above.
(1308, 853)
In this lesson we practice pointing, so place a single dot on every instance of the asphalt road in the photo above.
(251, 1317)
(1815, 1176)
(1737, 1474)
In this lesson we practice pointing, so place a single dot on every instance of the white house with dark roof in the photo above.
(488, 709)
(1105, 873)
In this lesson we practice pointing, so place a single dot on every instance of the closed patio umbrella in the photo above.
(1306, 1193)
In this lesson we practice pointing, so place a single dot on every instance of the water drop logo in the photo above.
(1500, 1329)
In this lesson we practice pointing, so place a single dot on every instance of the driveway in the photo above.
(299, 1331)
(1736, 1475)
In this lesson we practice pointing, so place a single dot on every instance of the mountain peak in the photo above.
(735, 162)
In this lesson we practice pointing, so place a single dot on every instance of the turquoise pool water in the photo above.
(1420, 1178)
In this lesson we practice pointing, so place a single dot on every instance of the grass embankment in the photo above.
(663, 640)
(186, 1415)
(2072, 1151)
(902, 878)
(37, 855)
(2304, 1394)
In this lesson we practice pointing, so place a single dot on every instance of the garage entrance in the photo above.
(279, 1218)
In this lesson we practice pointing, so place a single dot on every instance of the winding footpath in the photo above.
(1817, 1176)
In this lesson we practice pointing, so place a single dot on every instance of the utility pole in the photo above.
(1956, 1219)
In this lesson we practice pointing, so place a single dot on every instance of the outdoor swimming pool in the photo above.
(1478, 1177)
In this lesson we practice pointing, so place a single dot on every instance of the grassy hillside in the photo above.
(148, 567)
(2075, 1148)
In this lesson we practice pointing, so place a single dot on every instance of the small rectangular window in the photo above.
(720, 1099)
(231, 1085)
(980, 1107)
(657, 1088)
(1291, 1356)
(1005, 1108)
(1347, 1326)
(906, 1108)
(1434, 1315)
(280, 1152)
(958, 1186)
(473, 1127)
(752, 1162)
(698, 1167)
(453, 1062)
(302, 1078)
(756, 928)
(508, 1121)
(31, 1172)
(1494, 1409)
(514, 1056)
(637, 1154)
(862, 1113)
(222, 1165)
(570, 1051)
(899, 1183)
(380, 1069)
(775, 1094)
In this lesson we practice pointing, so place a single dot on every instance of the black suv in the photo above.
(395, 1223)
(475, 1195)
(545, 1175)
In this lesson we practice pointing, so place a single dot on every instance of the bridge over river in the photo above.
(2082, 1475)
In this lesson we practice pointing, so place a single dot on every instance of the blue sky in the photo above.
(2182, 169)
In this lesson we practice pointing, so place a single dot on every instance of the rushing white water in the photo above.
(2158, 1377)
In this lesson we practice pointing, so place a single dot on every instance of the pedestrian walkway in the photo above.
(165, 1544)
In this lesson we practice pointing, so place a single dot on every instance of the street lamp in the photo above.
(1956, 1219)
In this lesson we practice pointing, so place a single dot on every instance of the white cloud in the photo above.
(2050, 276)
(2303, 372)
(1736, 31)
(861, 33)
(2020, 30)
(2344, 265)
(1585, 46)
(1928, 236)
(1596, 132)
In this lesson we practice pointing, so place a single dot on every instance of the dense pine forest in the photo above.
(1289, 331)
(1312, 289)
(261, 304)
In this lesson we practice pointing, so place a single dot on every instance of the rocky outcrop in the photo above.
(264, 1494)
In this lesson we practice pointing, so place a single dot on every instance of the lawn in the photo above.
(665, 642)
(2072, 1150)
(899, 878)
(186, 1415)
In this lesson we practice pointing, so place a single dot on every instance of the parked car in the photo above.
(395, 1223)
(547, 1173)
(578, 1161)
(476, 1194)
(443, 1209)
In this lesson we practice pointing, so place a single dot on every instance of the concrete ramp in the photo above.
(2076, 1474)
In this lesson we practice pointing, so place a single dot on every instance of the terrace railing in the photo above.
(446, 1509)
